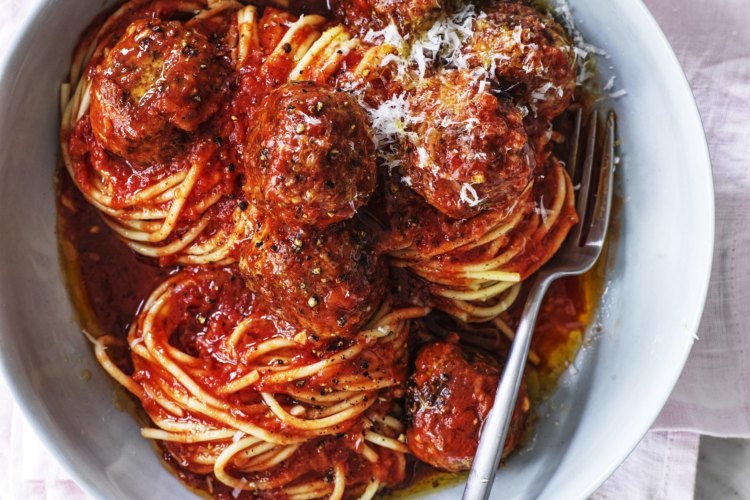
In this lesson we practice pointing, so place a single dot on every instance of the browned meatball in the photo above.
(159, 81)
(449, 397)
(310, 155)
(409, 16)
(469, 152)
(532, 55)
(327, 281)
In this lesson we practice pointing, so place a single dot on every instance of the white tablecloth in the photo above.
(712, 40)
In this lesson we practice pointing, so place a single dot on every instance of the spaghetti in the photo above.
(248, 397)
(309, 185)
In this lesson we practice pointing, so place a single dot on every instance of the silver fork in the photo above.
(578, 254)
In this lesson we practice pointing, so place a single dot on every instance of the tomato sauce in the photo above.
(108, 281)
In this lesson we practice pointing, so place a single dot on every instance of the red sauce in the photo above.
(113, 280)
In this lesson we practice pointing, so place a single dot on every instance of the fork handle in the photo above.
(495, 428)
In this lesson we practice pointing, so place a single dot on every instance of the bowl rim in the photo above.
(697, 130)
(24, 399)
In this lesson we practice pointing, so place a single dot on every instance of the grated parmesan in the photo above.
(388, 35)
(583, 49)
(390, 122)
(609, 85)
(236, 492)
(441, 43)
(469, 195)
(541, 211)
(444, 41)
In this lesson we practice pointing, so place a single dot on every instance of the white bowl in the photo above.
(657, 276)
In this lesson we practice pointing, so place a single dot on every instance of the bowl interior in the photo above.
(657, 274)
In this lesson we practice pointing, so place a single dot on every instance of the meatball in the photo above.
(469, 151)
(533, 57)
(327, 281)
(310, 155)
(450, 396)
(409, 16)
(158, 82)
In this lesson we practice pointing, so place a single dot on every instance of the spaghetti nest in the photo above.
(236, 391)
(144, 151)
(473, 269)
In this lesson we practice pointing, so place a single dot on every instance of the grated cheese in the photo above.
(540, 94)
(423, 156)
(392, 58)
(391, 119)
(583, 49)
(391, 36)
(469, 195)
(609, 85)
(388, 35)
(444, 41)
(541, 211)
(441, 43)
(236, 492)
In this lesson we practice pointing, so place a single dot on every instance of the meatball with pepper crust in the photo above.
(532, 56)
(328, 281)
(310, 156)
(449, 397)
(468, 151)
(158, 82)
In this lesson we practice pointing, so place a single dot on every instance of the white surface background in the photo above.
(712, 40)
